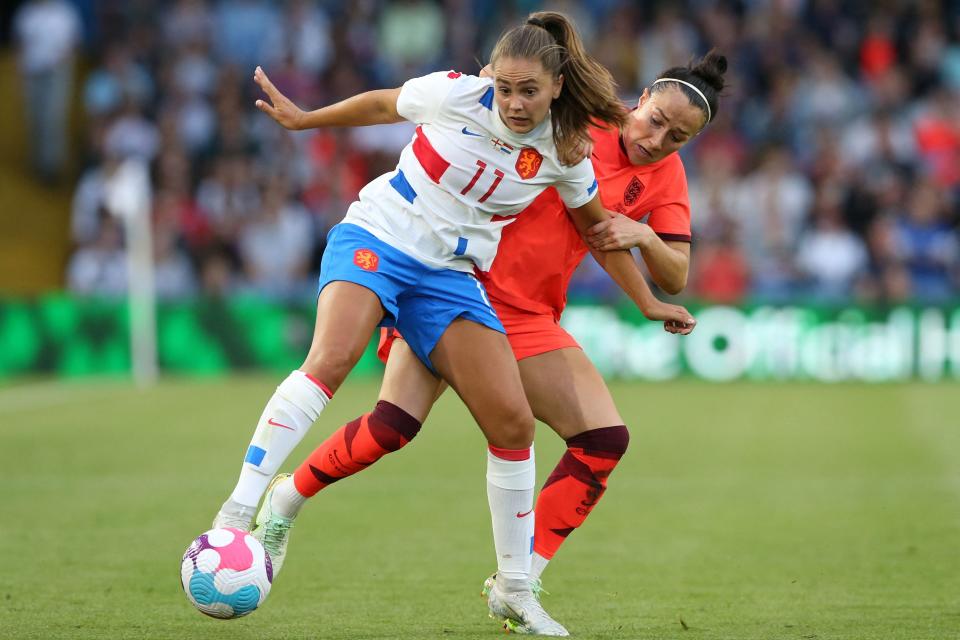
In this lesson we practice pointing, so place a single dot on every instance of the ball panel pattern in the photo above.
(226, 573)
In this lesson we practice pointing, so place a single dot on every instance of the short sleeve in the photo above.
(671, 222)
(670, 219)
(420, 98)
(578, 184)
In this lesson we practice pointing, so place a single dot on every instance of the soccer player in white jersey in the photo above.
(404, 256)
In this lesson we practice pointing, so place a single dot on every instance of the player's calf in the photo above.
(574, 488)
(355, 446)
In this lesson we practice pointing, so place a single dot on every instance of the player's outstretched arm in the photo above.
(372, 107)
(621, 266)
(668, 262)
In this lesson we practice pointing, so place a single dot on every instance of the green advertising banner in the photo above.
(71, 337)
(77, 337)
(775, 343)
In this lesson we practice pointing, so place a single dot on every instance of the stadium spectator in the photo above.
(188, 22)
(927, 246)
(173, 273)
(885, 280)
(119, 79)
(89, 201)
(47, 34)
(244, 28)
(830, 257)
(132, 135)
(276, 246)
(100, 268)
(772, 204)
(721, 273)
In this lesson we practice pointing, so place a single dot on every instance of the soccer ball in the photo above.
(226, 573)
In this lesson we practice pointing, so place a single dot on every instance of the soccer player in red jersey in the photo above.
(639, 175)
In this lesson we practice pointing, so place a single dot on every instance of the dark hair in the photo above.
(589, 94)
(706, 75)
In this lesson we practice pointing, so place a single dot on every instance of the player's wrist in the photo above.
(643, 237)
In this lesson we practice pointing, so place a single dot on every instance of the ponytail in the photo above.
(589, 94)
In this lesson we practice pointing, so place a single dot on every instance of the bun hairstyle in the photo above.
(589, 91)
(706, 75)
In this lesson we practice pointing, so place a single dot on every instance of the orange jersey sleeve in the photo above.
(541, 248)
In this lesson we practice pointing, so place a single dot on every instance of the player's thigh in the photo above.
(408, 384)
(347, 314)
(567, 392)
(478, 363)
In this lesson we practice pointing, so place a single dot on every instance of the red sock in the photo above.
(576, 485)
(355, 446)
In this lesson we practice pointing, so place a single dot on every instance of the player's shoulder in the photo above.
(463, 83)
(605, 135)
(460, 91)
(673, 169)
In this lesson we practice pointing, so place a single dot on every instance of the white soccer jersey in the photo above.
(462, 176)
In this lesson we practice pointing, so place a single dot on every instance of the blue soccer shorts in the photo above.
(419, 301)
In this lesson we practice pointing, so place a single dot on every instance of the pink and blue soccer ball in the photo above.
(226, 573)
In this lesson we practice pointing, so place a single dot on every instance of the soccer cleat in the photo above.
(273, 530)
(536, 585)
(520, 611)
(234, 515)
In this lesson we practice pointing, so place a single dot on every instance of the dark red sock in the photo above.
(576, 485)
(355, 446)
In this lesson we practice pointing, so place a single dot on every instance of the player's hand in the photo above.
(680, 328)
(617, 233)
(676, 319)
(279, 107)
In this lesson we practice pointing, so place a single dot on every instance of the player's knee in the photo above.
(513, 429)
(612, 440)
(331, 366)
(392, 426)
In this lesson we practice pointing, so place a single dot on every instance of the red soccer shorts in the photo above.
(530, 334)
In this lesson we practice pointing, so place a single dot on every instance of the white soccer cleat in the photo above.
(519, 609)
(273, 530)
(235, 516)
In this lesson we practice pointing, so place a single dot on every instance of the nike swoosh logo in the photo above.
(273, 422)
(524, 515)
(467, 132)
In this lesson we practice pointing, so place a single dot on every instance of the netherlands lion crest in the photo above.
(528, 162)
(632, 192)
(366, 259)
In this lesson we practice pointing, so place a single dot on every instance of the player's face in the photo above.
(661, 124)
(524, 91)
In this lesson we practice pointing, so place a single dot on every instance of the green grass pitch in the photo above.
(741, 511)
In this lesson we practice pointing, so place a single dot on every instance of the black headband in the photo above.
(537, 22)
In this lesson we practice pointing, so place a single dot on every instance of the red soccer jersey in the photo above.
(540, 250)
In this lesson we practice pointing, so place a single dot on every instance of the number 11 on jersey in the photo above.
(496, 182)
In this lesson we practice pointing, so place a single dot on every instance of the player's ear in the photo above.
(557, 86)
(643, 97)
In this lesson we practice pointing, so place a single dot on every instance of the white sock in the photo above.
(286, 499)
(537, 564)
(510, 485)
(289, 414)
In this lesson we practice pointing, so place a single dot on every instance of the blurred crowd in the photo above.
(831, 173)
